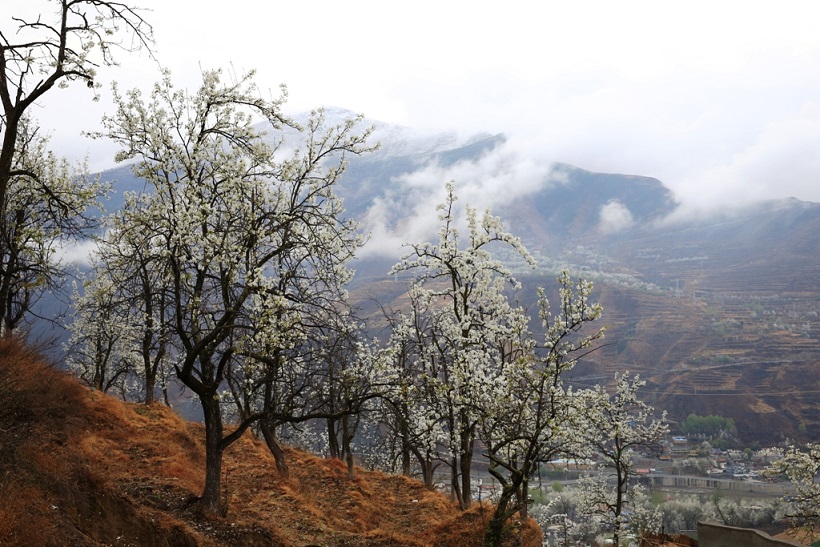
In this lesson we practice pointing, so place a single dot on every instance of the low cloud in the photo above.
(717, 139)
(409, 215)
(615, 217)
(782, 161)
(76, 252)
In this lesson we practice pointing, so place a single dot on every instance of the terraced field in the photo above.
(714, 354)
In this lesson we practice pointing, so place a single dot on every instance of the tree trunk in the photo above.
(466, 462)
(332, 439)
(524, 497)
(347, 449)
(455, 487)
(511, 487)
(426, 466)
(7, 259)
(211, 501)
(405, 458)
(274, 447)
(492, 536)
(99, 375)
(466, 485)
(149, 388)
(8, 262)
(427, 474)
(622, 479)
(349, 461)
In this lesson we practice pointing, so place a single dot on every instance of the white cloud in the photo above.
(615, 217)
(76, 252)
(781, 162)
(497, 178)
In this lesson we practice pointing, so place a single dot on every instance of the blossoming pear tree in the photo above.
(615, 425)
(462, 288)
(227, 207)
(535, 415)
(801, 465)
(122, 317)
(414, 428)
(45, 209)
(43, 200)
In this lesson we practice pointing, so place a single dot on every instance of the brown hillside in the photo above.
(721, 352)
(81, 468)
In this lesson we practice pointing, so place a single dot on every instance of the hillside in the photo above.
(81, 468)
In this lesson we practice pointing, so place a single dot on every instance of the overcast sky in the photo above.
(719, 100)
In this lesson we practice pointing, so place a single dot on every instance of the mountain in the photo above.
(575, 209)
(720, 313)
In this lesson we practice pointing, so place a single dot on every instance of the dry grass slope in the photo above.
(80, 468)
